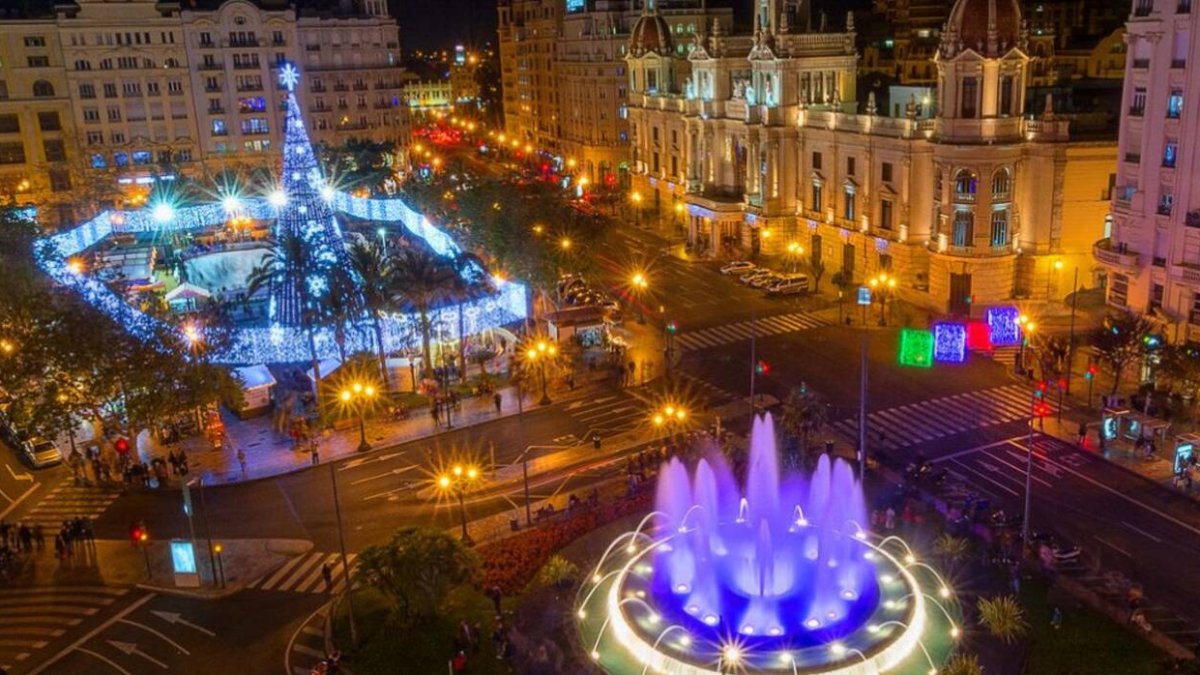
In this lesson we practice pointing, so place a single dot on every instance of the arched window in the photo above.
(965, 184)
(83, 64)
(105, 64)
(42, 89)
(1001, 184)
(172, 63)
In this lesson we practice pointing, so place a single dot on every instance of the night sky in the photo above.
(426, 24)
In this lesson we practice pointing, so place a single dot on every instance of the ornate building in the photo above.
(761, 137)
(1153, 254)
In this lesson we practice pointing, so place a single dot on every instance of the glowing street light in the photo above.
(359, 395)
(565, 243)
(75, 266)
(885, 284)
(636, 198)
(231, 204)
(1027, 328)
(277, 198)
(459, 480)
(163, 212)
(542, 353)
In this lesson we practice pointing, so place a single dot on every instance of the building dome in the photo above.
(990, 27)
(650, 34)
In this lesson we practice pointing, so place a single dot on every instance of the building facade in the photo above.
(528, 30)
(762, 140)
(145, 89)
(1152, 254)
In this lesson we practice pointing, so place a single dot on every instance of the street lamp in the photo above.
(639, 283)
(678, 215)
(458, 481)
(666, 416)
(360, 396)
(885, 284)
(540, 353)
(636, 198)
(795, 250)
(1027, 327)
(1052, 278)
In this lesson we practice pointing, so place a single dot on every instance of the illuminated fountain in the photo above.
(776, 575)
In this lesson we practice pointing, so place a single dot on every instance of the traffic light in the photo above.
(1040, 390)
(1041, 409)
(1091, 371)
(1062, 384)
(121, 446)
(671, 327)
(762, 368)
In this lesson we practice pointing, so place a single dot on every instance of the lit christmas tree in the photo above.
(309, 243)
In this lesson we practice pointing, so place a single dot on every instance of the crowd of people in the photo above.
(75, 540)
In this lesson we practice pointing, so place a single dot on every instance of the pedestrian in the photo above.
(39, 537)
(889, 519)
(241, 458)
(1056, 618)
(1082, 435)
(436, 413)
(495, 595)
(496, 400)
(25, 537)
(315, 452)
(327, 575)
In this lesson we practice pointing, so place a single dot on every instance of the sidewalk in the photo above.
(269, 452)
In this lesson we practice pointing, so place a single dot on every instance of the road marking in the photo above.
(93, 633)
(176, 618)
(104, 659)
(150, 630)
(968, 451)
(23, 476)
(1113, 546)
(16, 502)
(308, 651)
(998, 484)
(363, 461)
(131, 649)
(1020, 470)
(287, 655)
(1140, 531)
(394, 472)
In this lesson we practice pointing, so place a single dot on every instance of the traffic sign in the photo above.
(864, 295)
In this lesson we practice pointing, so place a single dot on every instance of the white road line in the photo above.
(150, 630)
(386, 474)
(1140, 531)
(279, 574)
(960, 453)
(17, 502)
(1113, 546)
(102, 658)
(314, 559)
(93, 633)
(1020, 470)
(312, 579)
(998, 484)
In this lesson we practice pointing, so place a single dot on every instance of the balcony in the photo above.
(1134, 157)
(1105, 254)
(245, 65)
(340, 87)
(1141, 64)
(360, 86)
(1163, 210)
(317, 89)
(209, 44)
(247, 42)
(1192, 219)
(1184, 7)
(320, 108)
(250, 87)
(312, 48)
(1178, 63)
(1143, 8)
(216, 111)
(211, 66)
(1137, 111)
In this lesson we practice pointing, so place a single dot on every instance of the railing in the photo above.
(1137, 111)
(212, 66)
(1164, 209)
(1103, 251)
(250, 87)
(216, 111)
(1143, 9)
(243, 65)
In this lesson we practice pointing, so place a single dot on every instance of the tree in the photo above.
(423, 281)
(963, 664)
(1120, 342)
(818, 271)
(470, 282)
(1054, 352)
(416, 569)
(558, 572)
(372, 267)
(1179, 368)
(289, 265)
(952, 549)
(1004, 618)
(803, 413)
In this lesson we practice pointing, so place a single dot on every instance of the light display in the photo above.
(979, 336)
(916, 348)
(1004, 329)
(304, 204)
(949, 342)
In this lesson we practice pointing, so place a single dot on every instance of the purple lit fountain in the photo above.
(776, 575)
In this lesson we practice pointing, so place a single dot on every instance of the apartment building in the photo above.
(1151, 251)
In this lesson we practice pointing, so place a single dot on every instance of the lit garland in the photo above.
(949, 342)
(916, 348)
(306, 203)
(1005, 331)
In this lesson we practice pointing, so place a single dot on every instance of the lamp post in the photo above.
(359, 395)
(1027, 327)
(666, 416)
(883, 284)
(540, 353)
(636, 198)
(678, 216)
(458, 481)
(639, 283)
(1051, 278)
(794, 250)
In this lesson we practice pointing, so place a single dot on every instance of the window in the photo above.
(141, 157)
(120, 159)
(964, 227)
(849, 166)
(1170, 150)
(131, 88)
(87, 91)
(1156, 295)
(965, 185)
(35, 41)
(218, 127)
(99, 161)
(110, 90)
(1175, 104)
(254, 125)
(12, 153)
(1118, 290)
(816, 161)
(937, 186)
(55, 150)
(970, 93)
(10, 124)
(885, 214)
(1001, 183)
(1165, 202)
(1194, 316)
(206, 40)
(3, 88)
(816, 196)
(174, 87)
(848, 205)
(114, 113)
(83, 64)
(887, 172)
(48, 121)
(1000, 228)
(1006, 95)
(38, 61)
(91, 115)
(42, 89)
(95, 137)
(152, 88)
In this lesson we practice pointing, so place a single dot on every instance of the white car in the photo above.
(738, 267)
(754, 274)
(766, 280)
(41, 452)
(793, 286)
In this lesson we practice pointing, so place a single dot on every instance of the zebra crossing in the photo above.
(744, 330)
(608, 414)
(302, 574)
(68, 500)
(33, 617)
(936, 418)
(1003, 355)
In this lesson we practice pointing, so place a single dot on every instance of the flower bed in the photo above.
(511, 563)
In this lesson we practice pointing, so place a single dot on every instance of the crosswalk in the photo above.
(31, 618)
(939, 417)
(302, 574)
(608, 415)
(66, 501)
(744, 330)
(1003, 355)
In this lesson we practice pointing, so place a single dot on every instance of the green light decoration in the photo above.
(916, 348)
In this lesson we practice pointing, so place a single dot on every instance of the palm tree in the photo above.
(373, 267)
(1120, 341)
(470, 282)
(422, 280)
(963, 664)
(286, 266)
(340, 307)
(803, 413)
(1004, 618)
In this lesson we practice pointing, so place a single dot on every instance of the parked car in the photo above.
(792, 286)
(765, 281)
(749, 277)
(738, 267)
(41, 452)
